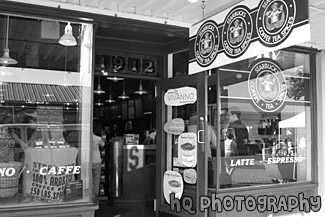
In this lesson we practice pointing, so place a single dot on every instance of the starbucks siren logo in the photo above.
(206, 43)
(275, 20)
(267, 85)
(237, 31)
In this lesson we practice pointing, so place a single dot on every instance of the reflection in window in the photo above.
(259, 147)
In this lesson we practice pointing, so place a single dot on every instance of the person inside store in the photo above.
(34, 136)
(230, 150)
(241, 132)
(98, 143)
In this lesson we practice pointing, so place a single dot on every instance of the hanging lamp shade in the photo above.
(67, 39)
(115, 79)
(123, 96)
(140, 91)
(110, 98)
(99, 90)
(99, 103)
(6, 59)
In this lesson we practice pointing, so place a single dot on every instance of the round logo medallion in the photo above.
(206, 43)
(237, 31)
(275, 20)
(267, 85)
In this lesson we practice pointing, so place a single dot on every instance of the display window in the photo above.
(265, 120)
(45, 111)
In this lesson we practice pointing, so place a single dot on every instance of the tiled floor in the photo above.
(125, 210)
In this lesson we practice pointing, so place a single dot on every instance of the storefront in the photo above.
(235, 103)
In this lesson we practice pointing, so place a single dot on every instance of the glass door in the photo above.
(181, 151)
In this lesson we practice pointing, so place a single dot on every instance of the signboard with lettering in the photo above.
(50, 187)
(267, 85)
(173, 183)
(248, 29)
(180, 96)
(175, 126)
(187, 149)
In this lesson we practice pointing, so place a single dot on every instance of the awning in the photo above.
(42, 93)
(294, 122)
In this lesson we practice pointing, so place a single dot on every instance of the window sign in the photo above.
(267, 85)
(246, 30)
(187, 149)
(180, 96)
(175, 126)
(173, 183)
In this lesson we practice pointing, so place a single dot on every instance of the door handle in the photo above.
(198, 136)
(201, 130)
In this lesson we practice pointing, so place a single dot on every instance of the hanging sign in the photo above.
(175, 126)
(267, 85)
(190, 176)
(187, 149)
(180, 96)
(246, 30)
(173, 183)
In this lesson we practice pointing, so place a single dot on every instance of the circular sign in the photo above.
(237, 31)
(267, 85)
(275, 20)
(206, 43)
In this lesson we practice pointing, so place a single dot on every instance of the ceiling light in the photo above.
(192, 1)
(141, 91)
(67, 39)
(115, 79)
(99, 89)
(6, 59)
(99, 103)
(123, 96)
(110, 98)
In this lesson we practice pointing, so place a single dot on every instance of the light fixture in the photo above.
(192, 1)
(99, 89)
(102, 67)
(115, 79)
(67, 39)
(99, 103)
(110, 98)
(6, 59)
(123, 96)
(140, 91)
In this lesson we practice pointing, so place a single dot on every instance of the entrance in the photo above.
(175, 104)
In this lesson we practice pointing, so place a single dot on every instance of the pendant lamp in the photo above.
(99, 103)
(102, 67)
(110, 98)
(6, 59)
(67, 39)
(99, 89)
(140, 91)
(115, 79)
(123, 96)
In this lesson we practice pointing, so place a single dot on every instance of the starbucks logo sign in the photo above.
(207, 43)
(237, 31)
(275, 20)
(267, 85)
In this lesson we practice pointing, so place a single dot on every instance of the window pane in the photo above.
(260, 147)
(45, 115)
